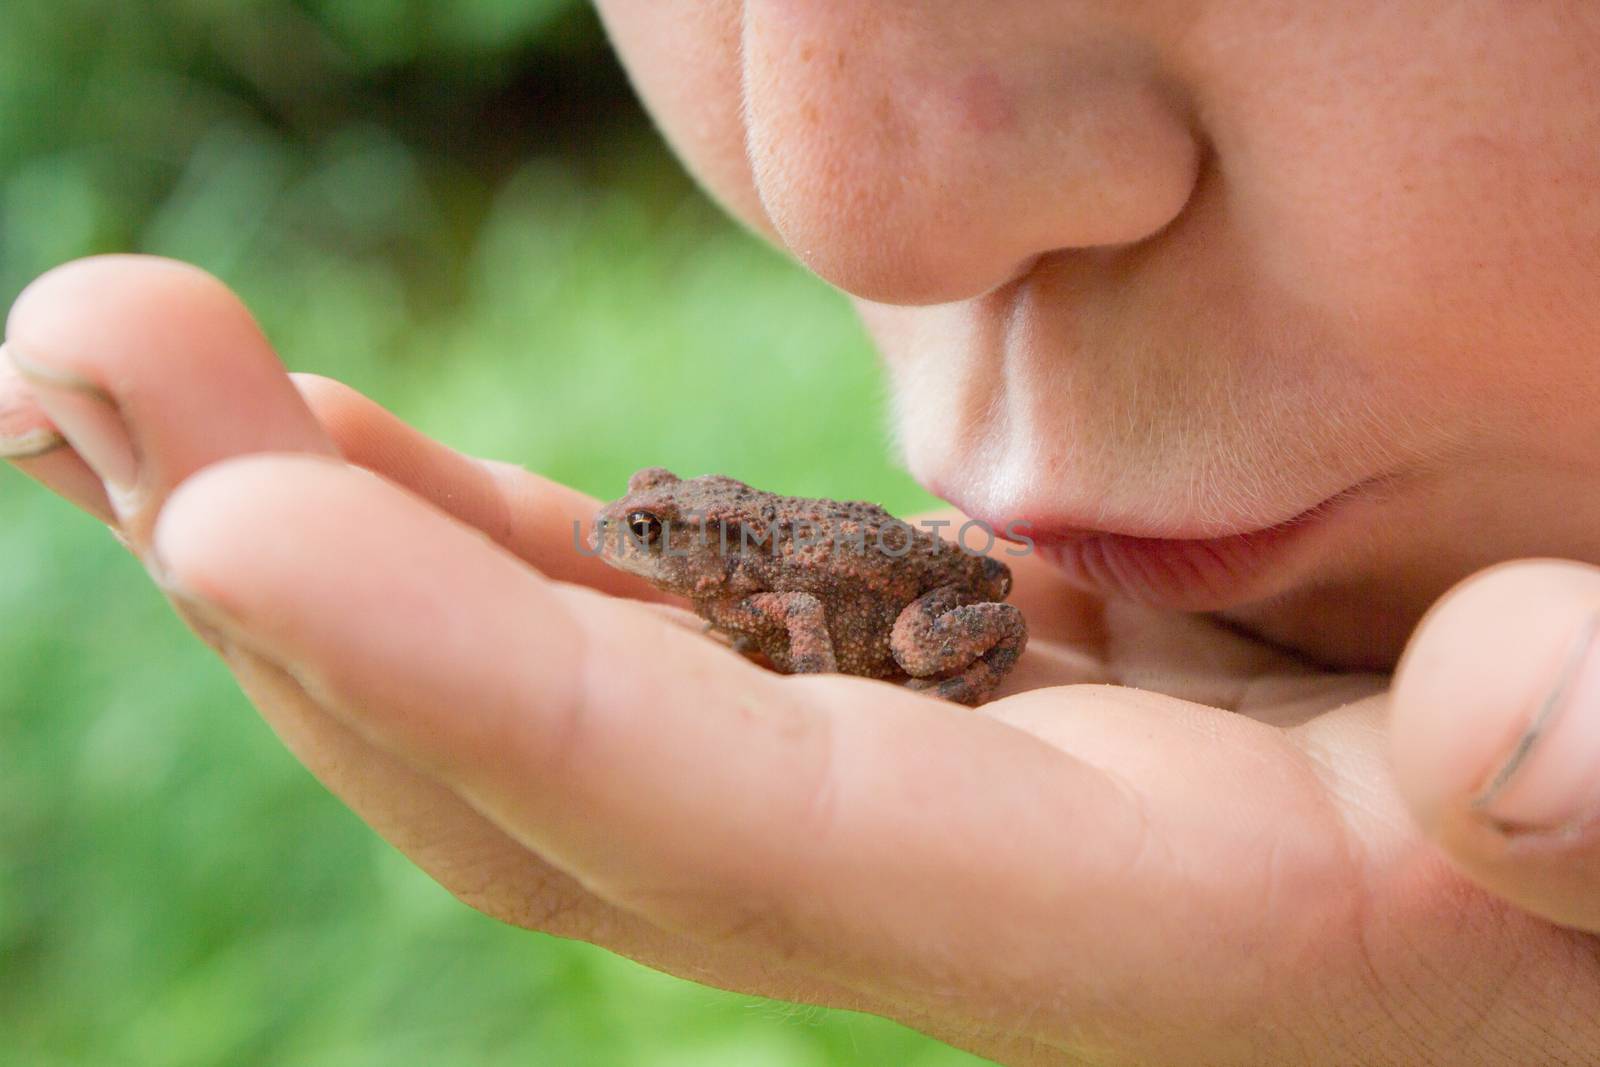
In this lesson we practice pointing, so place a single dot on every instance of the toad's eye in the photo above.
(645, 526)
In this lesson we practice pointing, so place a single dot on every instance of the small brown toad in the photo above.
(820, 585)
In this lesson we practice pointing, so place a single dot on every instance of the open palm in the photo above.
(1167, 844)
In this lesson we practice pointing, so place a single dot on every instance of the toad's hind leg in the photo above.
(944, 631)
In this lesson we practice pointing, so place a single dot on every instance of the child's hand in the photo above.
(1074, 873)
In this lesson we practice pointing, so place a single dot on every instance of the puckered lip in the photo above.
(1208, 573)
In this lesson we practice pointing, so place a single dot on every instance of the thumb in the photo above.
(1495, 731)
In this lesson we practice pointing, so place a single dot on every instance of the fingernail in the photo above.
(25, 430)
(1550, 781)
(88, 417)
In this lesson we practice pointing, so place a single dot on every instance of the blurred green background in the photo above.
(456, 206)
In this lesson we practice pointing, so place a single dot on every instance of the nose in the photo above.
(929, 152)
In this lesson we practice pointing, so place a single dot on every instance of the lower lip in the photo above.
(1188, 575)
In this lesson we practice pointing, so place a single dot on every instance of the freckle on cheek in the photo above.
(984, 104)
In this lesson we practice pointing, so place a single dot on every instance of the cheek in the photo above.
(1444, 210)
(683, 59)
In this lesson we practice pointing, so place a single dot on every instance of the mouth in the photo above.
(1185, 574)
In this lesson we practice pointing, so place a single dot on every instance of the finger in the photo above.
(479, 863)
(832, 821)
(25, 430)
(541, 521)
(30, 441)
(1496, 734)
(156, 359)
(151, 369)
(63, 471)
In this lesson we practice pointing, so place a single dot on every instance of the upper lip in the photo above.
(1047, 528)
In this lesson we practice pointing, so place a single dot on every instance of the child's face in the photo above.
(1189, 270)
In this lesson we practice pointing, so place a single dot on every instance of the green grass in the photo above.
(176, 889)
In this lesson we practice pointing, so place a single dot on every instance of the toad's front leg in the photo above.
(791, 629)
(945, 631)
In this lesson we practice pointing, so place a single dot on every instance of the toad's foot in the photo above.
(790, 628)
(943, 632)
